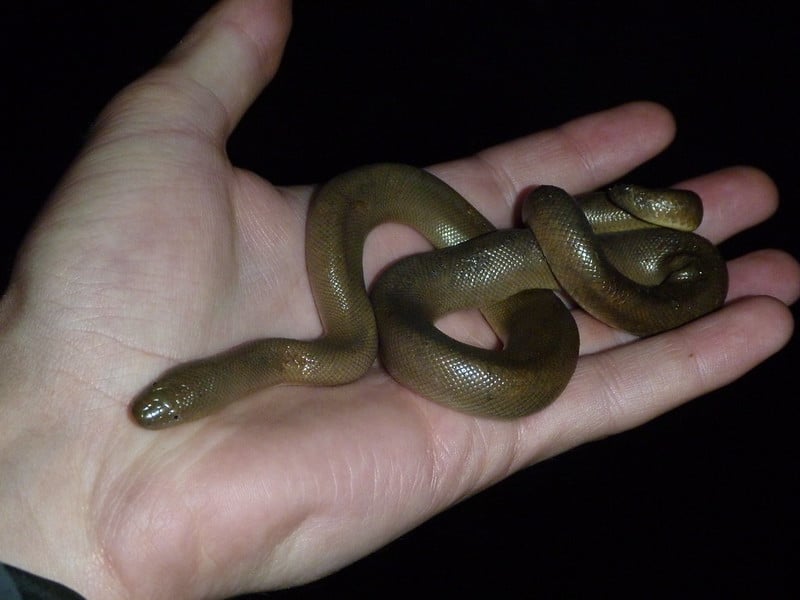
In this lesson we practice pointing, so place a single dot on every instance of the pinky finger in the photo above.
(622, 388)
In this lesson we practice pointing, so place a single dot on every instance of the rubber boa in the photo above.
(626, 255)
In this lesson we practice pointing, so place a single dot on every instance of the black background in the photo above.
(700, 502)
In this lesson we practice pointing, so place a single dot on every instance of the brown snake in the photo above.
(626, 256)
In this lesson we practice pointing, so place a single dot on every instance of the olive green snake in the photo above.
(625, 255)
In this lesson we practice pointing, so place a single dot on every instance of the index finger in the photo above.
(580, 155)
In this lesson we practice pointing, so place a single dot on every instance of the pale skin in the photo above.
(155, 249)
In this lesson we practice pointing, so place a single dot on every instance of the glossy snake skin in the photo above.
(626, 255)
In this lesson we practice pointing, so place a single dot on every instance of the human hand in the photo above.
(155, 249)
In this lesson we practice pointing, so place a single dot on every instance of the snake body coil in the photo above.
(626, 256)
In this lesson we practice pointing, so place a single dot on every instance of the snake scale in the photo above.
(626, 255)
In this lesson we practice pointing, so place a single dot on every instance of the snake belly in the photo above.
(625, 255)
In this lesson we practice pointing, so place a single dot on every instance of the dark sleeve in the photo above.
(19, 585)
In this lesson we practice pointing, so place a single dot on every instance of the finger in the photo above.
(733, 200)
(765, 273)
(619, 389)
(761, 273)
(210, 79)
(579, 155)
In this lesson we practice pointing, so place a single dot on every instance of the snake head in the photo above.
(158, 406)
(183, 393)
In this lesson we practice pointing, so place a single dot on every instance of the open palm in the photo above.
(155, 249)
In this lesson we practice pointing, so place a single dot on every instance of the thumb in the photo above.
(211, 78)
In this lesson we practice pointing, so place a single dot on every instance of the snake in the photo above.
(626, 255)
